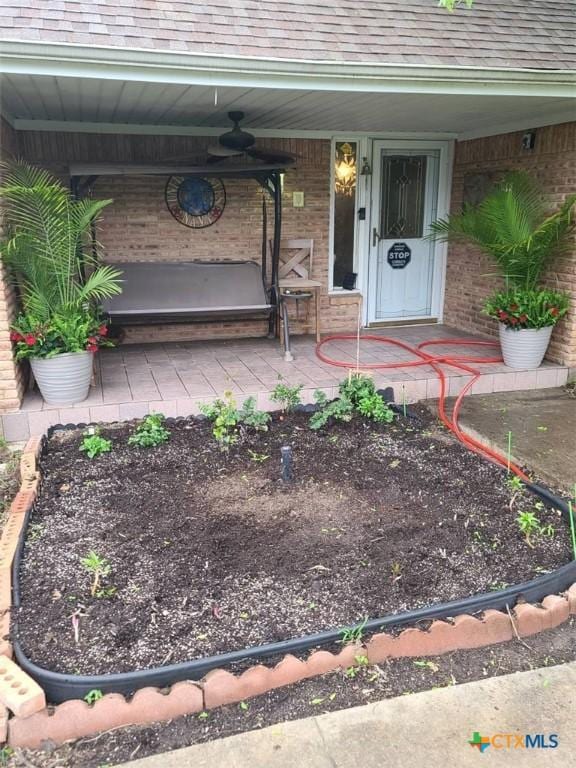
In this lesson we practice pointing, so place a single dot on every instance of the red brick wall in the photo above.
(138, 226)
(11, 375)
(553, 163)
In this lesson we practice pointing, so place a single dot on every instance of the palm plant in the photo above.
(512, 225)
(44, 251)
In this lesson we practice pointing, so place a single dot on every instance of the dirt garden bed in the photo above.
(210, 551)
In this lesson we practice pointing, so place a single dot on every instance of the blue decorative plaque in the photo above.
(399, 256)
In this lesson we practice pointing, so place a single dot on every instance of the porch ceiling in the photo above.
(36, 101)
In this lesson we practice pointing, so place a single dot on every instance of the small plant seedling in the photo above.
(287, 397)
(351, 635)
(244, 706)
(352, 672)
(150, 432)
(93, 444)
(514, 483)
(252, 417)
(5, 755)
(529, 525)
(224, 414)
(259, 458)
(93, 696)
(97, 567)
(427, 664)
(396, 570)
(204, 715)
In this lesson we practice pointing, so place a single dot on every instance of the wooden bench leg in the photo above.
(317, 309)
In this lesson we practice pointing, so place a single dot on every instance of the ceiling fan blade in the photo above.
(272, 155)
(217, 150)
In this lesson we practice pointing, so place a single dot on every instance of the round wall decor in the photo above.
(195, 201)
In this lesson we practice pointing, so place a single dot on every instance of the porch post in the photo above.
(11, 377)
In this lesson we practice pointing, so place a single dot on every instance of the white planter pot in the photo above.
(63, 379)
(525, 348)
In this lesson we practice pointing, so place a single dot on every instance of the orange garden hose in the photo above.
(435, 362)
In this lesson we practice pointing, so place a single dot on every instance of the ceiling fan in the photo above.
(237, 142)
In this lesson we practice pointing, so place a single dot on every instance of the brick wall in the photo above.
(11, 375)
(139, 227)
(553, 163)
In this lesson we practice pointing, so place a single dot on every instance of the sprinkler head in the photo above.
(286, 463)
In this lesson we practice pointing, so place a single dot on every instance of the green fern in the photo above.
(45, 249)
(512, 225)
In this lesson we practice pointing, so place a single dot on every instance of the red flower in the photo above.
(92, 347)
(30, 339)
(503, 315)
(103, 330)
(92, 340)
(15, 336)
(523, 318)
(513, 321)
(513, 307)
(554, 311)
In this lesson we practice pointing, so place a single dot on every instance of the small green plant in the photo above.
(229, 422)
(97, 567)
(340, 409)
(396, 570)
(93, 696)
(150, 432)
(251, 417)
(286, 396)
(351, 635)
(374, 407)
(224, 415)
(529, 525)
(258, 458)
(5, 754)
(356, 393)
(93, 444)
(427, 664)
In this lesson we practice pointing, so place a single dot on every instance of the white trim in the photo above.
(103, 62)
(568, 116)
(63, 126)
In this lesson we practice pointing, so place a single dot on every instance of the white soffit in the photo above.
(74, 103)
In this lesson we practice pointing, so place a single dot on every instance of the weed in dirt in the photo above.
(97, 567)
(287, 397)
(93, 444)
(150, 432)
(258, 458)
(93, 696)
(6, 754)
(427, 664)
(530, 526)
(352, 635)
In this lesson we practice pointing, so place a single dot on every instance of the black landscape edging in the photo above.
(61, 687)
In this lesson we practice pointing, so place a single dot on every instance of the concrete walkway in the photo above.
(543, 425)
(431, 728)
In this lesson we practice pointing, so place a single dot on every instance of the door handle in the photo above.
(375, 237)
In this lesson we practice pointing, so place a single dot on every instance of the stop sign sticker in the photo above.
(399, 256)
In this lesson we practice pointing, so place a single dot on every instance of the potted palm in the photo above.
(60, 282)
(513, 227)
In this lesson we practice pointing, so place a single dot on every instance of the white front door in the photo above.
(402, 270)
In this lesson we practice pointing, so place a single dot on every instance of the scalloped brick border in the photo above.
(34, 722)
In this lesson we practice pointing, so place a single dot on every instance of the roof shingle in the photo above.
(537, 34)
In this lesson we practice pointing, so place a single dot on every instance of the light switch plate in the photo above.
(298, 199)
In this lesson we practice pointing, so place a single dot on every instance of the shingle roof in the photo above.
(499, 33)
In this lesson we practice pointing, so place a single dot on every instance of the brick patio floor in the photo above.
(174, 378)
